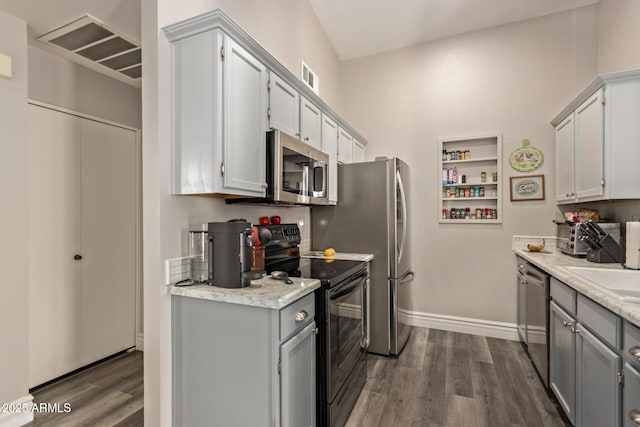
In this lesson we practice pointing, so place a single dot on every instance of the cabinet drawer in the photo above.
(631, 341)
(293, 316)
(600, 320)
(563, 295)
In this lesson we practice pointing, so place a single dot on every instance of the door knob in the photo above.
(77, 257)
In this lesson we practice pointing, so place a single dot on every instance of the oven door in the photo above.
(347, 330)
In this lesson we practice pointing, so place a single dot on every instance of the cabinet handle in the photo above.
(306, 138)
(635, 352)
(634, 414)
(77, 257)
(298, 135)
(301, 316)
(316, 331)
(575, 330)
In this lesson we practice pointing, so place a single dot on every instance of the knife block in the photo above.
(609, 252)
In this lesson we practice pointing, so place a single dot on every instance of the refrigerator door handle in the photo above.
(404, 214)
(407, 277)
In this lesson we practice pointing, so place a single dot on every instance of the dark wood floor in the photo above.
(451, 379)
(440, 379)
(108, 394)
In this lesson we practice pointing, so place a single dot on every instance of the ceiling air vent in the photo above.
(93, 41)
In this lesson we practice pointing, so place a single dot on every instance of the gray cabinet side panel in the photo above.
(222, 364)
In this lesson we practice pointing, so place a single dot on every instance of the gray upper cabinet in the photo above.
(330, 146)
(345, 146)
(219, 94)
(598, 389)
(284, 106)
(226, 92)
(597, 141)
(245, 103)
(565, 162)
(310, 123)
(589, 121)
(358, 151)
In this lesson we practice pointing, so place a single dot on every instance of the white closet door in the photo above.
(54, 239)
(82, 195)
(108, 194)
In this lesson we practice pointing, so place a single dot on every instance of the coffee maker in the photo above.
(230, 246)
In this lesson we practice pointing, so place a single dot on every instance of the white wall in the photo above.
(13, 214)
(511, 79)
(619, 35)
(291, 32)
(58, 81)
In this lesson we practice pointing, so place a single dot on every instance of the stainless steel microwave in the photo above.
(296, 173)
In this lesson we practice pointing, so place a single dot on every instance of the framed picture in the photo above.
(527, 188)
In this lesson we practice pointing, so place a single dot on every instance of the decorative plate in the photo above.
(526, 158)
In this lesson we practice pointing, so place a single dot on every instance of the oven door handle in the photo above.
(364, 344)
(345, 291)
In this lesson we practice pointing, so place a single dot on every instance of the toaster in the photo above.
(568, 236)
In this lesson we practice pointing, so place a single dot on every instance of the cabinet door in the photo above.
(284, 106)
(298, 379)
(565, 157)
(590, 147)
(245, 120)
(562, 357)
(345, 146)
(597, 386)
(330, 146)
(310, 123)
(358, 151)
(631, 406)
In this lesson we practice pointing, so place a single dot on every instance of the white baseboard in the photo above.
(487, 328)
(140, 341)
(17, 413)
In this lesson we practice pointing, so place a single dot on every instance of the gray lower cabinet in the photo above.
(597, 382)
(562, 357)
(585, 374)
(297, 383)
(631, 405)
(240, 365)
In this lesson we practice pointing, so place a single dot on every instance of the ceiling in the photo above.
(121, 16)
(359, 28)
(355, 27)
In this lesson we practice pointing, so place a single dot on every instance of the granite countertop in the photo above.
(555, 263)
(265, 292)
(339, 255)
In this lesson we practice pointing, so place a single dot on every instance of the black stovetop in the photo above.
(329, 272)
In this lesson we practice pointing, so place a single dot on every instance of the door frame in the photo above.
(139, 332)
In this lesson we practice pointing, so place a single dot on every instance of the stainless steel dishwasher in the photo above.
(533, 295)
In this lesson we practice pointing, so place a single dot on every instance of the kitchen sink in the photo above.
(623, 284)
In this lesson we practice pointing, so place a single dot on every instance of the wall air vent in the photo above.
(310, 78)
(90, 40)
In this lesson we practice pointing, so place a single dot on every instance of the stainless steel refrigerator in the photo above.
(372, 216)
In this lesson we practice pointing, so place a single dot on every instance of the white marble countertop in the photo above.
(265, 292)
(555, 263)
(339, 255)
